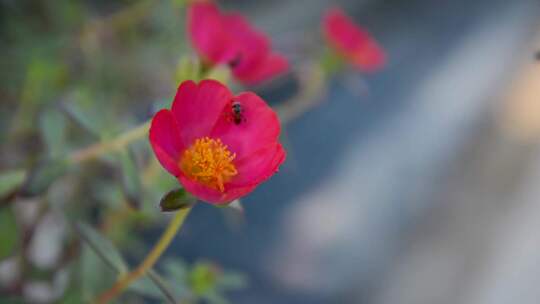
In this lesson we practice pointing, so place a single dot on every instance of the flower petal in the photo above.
(165, 141)
(229, 38)
(258, 129)
(252, 46)
(210, 195)
(352, 41)
(272, 66)
(259, 166)
(197, 108)
(341, 31)
(370, 57)
(206, 31)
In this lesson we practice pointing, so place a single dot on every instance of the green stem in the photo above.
(115, 144)
(149, 261)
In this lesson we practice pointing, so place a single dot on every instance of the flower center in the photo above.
(209, 162)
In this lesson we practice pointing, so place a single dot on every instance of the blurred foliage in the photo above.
(74, 74)
(10, 236)
(43, 175)
(102, 246)
(10, 181)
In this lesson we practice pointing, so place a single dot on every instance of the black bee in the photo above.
(237, 112)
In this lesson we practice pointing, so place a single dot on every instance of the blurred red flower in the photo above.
(352, 41)
(228, 38)
(219, 146)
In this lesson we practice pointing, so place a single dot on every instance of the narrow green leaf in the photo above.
(176, 200)
(53, 130)
(103, 247)
(9, 233)
(145, 287)
(96, 276)
(131, 182)
(109, 254)
(43, 175)
(163, 285)
(81, 109)
(155, 286)
(177, 271)
(10, 181)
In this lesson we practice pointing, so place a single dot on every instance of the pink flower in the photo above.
(219, 146)
(228, 38)
(352, 41)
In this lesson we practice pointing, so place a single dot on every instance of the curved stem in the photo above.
(115, 144)
(149, 261)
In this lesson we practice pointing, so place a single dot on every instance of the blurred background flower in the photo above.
(228, 38)
(351, 41)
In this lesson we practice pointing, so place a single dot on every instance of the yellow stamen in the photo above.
(209, 162)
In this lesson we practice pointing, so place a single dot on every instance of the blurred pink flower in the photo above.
(352, 41)
(219, 146)
(228, 38)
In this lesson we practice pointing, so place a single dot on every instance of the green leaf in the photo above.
(96, 276)
(220, 73)
(9, 234)
(44, 75)
(82, 109)
(108, 253)
(43, 175)
(10, 181)
(131, 182)
(176, 200)
(203, 278)
(188, 68)
(213, 297)
(103, 247)
(71, 295)
(145, 287)
(155, 286)
(176, 269)
(13, 300)
(163, 285)
(232, 280)
(53, 130)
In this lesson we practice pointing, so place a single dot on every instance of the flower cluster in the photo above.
(220, 146)
(228, 38)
